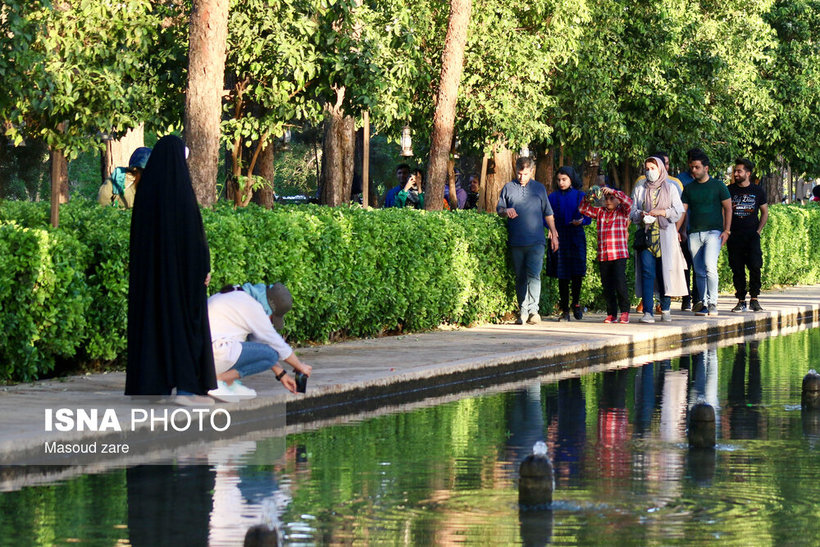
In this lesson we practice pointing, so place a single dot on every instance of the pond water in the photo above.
(448, 473)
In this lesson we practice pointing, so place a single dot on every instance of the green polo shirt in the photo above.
(705, 204)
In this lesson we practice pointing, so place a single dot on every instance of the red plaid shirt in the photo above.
(613, 234)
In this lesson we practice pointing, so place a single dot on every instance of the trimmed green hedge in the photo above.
(352, 272)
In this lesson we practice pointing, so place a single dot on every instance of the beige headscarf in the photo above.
(663, 188)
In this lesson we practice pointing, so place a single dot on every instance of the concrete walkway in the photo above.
(363, 375)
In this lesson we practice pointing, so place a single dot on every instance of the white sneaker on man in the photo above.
(666, 316)
(224, 393)
(647, 318)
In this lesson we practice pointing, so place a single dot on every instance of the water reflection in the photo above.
(744, 397)
(447, 473)
(569, 434)
(169, 505)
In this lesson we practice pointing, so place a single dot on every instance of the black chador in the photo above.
(169, 339)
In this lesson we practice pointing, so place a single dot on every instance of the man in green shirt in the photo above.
(709, 207)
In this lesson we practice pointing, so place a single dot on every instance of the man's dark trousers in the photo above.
(743, 250)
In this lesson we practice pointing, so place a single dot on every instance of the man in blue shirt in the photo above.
(402, 176)
(525, 205)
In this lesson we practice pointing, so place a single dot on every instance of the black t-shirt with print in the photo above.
(746, 202)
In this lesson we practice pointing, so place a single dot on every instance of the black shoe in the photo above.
(577, 312)
(563, 316)
(754, 305)
(686, 304)
(698, 307)
(740, 306)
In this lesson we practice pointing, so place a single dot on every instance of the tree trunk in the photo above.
(545, 167)
(500, 173)
(59, 183)
(366, 158)
(265, 196)
(338, 154)
(203, 101)
(452, 61)
(482, 183)
(451, 184)
(616, 180)
(118, 152)
(590, 174)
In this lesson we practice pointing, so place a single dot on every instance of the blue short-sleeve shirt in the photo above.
(532, 205)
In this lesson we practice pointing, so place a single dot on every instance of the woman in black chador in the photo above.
(169, 339)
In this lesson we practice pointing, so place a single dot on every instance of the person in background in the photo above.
(169, 337)
(402, 175)
(245, 321)
(461, 194)
(473, 187)
(683, 230)
(569, 263)
(656, 208)
(525, 205)
(750, 212)
(709, 211)
(612, 221)
(412, 195)
(117, 191)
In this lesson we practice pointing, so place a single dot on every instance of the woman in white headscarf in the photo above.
(656, 207)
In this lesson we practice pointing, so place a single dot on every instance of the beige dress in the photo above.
(672, 261)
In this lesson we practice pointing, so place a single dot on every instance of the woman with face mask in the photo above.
(656, 209)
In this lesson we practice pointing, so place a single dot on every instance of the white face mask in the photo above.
(652, 175)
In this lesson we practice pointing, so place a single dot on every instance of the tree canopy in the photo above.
(614, 77)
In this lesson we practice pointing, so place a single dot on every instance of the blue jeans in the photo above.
(527, 264)
(652, 270)
(255, 358)
(705, 247)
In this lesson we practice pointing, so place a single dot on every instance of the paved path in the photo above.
(363, 375)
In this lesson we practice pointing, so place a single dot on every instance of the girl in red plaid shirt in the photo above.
(613, 222)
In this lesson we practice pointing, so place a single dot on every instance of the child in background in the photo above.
(613, 222)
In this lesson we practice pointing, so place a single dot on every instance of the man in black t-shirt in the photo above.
(749, 215)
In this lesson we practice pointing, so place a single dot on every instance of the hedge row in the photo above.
(63, 293)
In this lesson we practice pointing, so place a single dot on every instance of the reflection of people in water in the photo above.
(613, 426)
(742, 410)
(169, 505)
(644, 399)
(572, 429)
(525, 422)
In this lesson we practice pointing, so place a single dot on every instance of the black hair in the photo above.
(574, 177)
(660, 154)
(693, 152)
(816, 191)
(745, 162)
(402, 166)
(701, 157)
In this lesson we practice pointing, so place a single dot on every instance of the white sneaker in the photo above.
(647, 318)
(193, 400)
(223, 392)
(666, 316)
(240, 390)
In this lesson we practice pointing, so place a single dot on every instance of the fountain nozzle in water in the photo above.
(536, 480)
(702, 426)
(810, 399)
